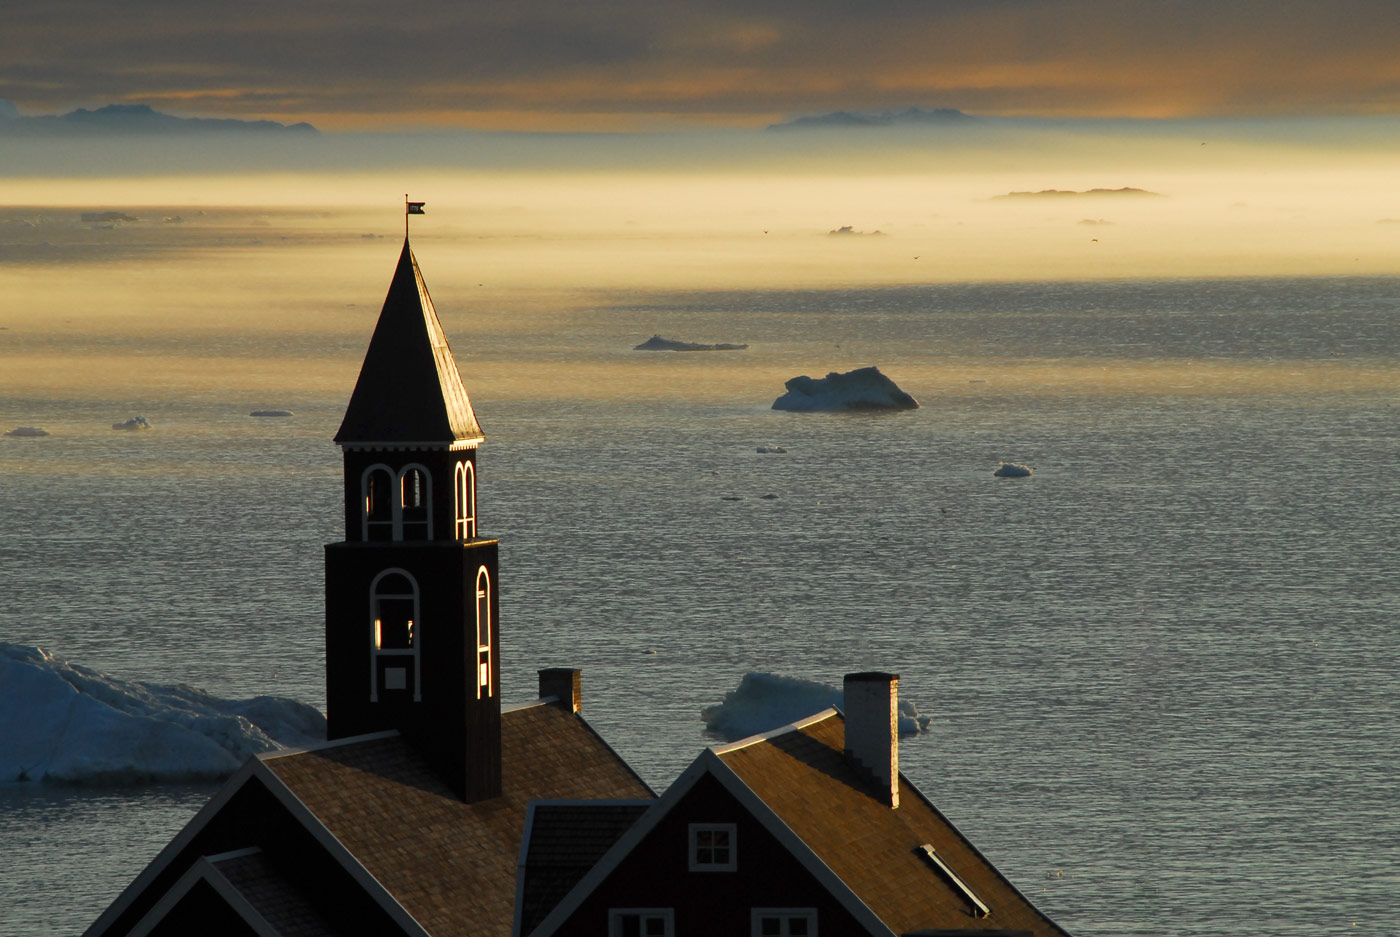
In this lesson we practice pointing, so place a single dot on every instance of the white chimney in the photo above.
(872, 729)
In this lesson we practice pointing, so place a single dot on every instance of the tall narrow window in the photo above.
(483, 633)
(414, 499)
(377, 486)
(394, 638)
(466, 501)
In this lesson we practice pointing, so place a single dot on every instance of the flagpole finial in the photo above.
(410, 208)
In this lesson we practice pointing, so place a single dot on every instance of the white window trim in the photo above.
(730, 866)
(810, 914)
(375, 652)
(615, 915)
(465, 485)
(396, 480)
(484, 575)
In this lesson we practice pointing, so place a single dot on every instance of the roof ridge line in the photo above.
(802, 723)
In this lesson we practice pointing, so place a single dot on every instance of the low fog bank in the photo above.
(973, 143)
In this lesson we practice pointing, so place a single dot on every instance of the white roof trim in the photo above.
(255, 768)
(708, 762)
(322, 746)
(774, 733)
(203, 870)
(458, 445)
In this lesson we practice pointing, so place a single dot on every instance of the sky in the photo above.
(633, 65)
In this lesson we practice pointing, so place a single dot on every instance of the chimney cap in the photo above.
(871, 676)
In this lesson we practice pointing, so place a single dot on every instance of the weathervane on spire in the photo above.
(410, 208)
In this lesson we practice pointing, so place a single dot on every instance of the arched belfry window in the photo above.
(415, 496)
(397, 506)
(395, 637)
(466, 501)
(483, 633)
(377, 490)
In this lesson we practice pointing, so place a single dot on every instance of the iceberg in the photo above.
(657, 343)
(136, 422)
(65, 723)
(1012, 470)
(861, 389)
(27, 431)
(765, 701)
(271, 413)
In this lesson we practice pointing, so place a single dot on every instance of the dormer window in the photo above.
(713, 847)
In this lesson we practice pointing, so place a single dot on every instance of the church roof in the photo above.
(409, 390)
(452, 865)
(372, 822)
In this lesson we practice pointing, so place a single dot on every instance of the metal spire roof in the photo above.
(409, 390)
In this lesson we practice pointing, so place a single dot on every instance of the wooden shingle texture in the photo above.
(824, 798)
(450, 864)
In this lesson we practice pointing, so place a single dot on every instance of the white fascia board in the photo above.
(622, 848)
(799, 849)
(203, 870)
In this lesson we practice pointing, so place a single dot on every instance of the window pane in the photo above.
(770, 927)
(631, 925)
(655, 926)
(797, 927)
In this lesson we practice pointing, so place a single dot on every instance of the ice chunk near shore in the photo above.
(765, 701)
(861, 389)
(28, 431)
(62, 722)
(657, 343)
(1012, 470)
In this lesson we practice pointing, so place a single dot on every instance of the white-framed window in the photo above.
(483, 633)
(784, 922)
(394, 666)
(713, 847)
(397, 505)
(466, 500)
(641, 922)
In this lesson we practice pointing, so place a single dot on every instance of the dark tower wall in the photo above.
(439, 700)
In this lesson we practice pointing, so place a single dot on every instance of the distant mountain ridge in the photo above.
(134, 119)
(907, 117)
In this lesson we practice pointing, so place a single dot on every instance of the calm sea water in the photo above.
(1162, 670)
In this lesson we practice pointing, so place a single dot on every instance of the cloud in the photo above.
(354, 63)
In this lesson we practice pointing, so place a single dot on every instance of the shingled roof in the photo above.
(825, 799)
(368, 824)
(409, 390)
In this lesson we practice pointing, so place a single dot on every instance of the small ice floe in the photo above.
(657, 343)
(765, 701)
(1012, 470)
(730, 498)
(861, 389)
(271, 413)
(770, 449)
(136, 422)
(28, 431)
(769, 497)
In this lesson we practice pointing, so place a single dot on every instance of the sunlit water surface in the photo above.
(1161, 670)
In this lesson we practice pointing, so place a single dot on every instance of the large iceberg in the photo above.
(63, 722)
(861, 389)
(765, 701)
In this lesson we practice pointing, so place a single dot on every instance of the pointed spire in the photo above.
(409, 390)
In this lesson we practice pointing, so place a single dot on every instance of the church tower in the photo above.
(411, 593)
